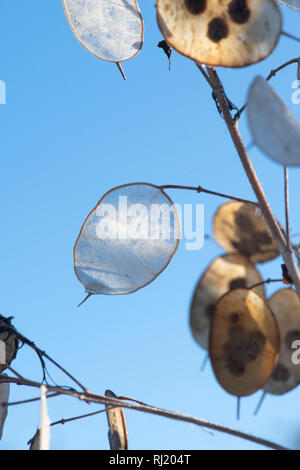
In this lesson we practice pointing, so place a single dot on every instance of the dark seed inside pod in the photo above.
(195, 6)
(217, 30)
(239, 11)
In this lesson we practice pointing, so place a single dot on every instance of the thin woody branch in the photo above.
(200, 189)
(113, 402)
(274, 227)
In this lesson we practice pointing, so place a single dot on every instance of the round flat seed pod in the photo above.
(244, 342)
(10, 341)
(111, 30)
(227, 33)
(117, 434)
(127, 240)
(239, 227)
(286, 307)
(223, 274)
(274, 128)
(294, 4)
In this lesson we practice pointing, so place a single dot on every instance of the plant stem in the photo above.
(274, 227)
(199, 189)
(114, 402)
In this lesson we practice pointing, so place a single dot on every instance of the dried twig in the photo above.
(94, 398)
(264, 206)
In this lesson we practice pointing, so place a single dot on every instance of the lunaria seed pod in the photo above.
(274, 128)
(127, 240)
(244, 342)
(286, 307)
(111, 30)
(10, 340)
(4, 395)
(240, 228)
(225, 273)
(294, 4)
(227, 33)
(117, 434)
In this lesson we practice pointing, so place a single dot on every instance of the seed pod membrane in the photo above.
(286, 307)
(274, 128)
(244, 342)
(4, 395)
(223, 274)
(111, 30)
(238, 227)
(10, 340)
(127, 240)
(117, 434)
(227, 33)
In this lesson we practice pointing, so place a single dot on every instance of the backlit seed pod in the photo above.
(34, 443)
(223, 274)
(274, 128)
(4, 395)
(240, 228)
(294, 4)
(111, 30)
(117, 434)
(10, 340)
(286, 307)
(244, 342)
(127, 240)
(227, 33)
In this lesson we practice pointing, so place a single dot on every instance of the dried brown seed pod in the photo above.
(112, 31)
(279, 137)
(285, 305)
(225, 273)
(240, 228)
(244, 342)
(117, 434)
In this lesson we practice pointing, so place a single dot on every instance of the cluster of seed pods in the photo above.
(229, 33)
(250, 339)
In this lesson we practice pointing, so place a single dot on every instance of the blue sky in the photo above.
(71, 130)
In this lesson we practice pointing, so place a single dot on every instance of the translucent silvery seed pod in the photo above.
(127, 240)
(274, 128)
(112, 31)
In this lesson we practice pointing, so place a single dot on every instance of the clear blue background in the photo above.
(71, 130)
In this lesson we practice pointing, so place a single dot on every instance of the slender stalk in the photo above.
(262, 283)
(199, 189)
(274, 227)
(121, 70)
(287, 206)
(290, 36)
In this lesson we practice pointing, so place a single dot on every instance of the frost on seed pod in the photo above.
(223, 274)
(9, 339)
(228, 33)
(286, 307)
(239, 228)
(127, 240)
(117, 434)
(244, 342)
(294, 4)
(274, 128)
(112, 31)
